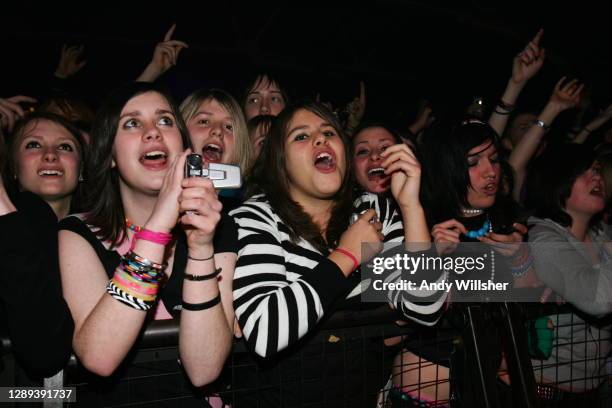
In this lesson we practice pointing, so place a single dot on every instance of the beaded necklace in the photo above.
(133, 227)
(486, 227)
(466, 212)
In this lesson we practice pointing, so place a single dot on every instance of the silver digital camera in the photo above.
(222, 175)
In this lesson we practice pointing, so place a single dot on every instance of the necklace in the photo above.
(129, 224)
(486, 227)
(471, 211)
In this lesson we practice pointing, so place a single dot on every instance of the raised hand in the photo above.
(328, 105)
(529, 61)
(11, 112)
(446, 235)
(201, 211)
(603, 117)
(606, 112)
(423, 120)
(70, 61)
(405, 170)
(366, 229)
(165, 57)
(566, 96)
(166, 211)
(356, 108)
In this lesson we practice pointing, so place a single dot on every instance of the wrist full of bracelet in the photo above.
(136, 281)
(128, 297)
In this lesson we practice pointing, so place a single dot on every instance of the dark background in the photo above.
(447, 52)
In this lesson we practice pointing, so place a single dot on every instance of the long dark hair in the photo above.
(103, 197)
(446, 170)
(32, 119)
(271, 178)
(551, 178)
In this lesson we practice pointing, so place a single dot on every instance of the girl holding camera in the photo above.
(146, 248)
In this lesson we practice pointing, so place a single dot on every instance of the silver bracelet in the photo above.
(541, 124)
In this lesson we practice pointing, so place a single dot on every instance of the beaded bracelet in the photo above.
(519, 271)
(522, 263)
(143, 274)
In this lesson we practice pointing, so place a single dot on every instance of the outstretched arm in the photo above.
(165, 57)
(524, 66)
(593, 125)
(564, 96)
(70, 61)
(356, 109)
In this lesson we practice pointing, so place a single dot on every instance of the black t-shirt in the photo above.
(30, 287)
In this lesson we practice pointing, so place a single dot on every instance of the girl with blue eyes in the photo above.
(145, 248)
(45, 159)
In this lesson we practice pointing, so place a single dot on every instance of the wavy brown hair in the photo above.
(271, 177)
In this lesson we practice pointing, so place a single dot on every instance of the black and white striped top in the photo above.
(282, 289)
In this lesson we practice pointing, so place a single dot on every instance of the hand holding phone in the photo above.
(222, 175)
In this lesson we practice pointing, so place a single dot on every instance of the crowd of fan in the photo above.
(102, 233)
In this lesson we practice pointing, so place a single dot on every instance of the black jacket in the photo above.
(37, 317)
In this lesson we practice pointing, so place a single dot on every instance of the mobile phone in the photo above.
(222, 175)
(503, 229)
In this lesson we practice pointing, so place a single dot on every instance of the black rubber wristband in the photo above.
(191, 277)
(196, 307)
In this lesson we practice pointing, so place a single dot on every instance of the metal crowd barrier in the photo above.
(158, 346)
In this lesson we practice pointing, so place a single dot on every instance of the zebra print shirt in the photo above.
(282, 289)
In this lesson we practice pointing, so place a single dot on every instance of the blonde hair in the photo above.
(242, 151)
